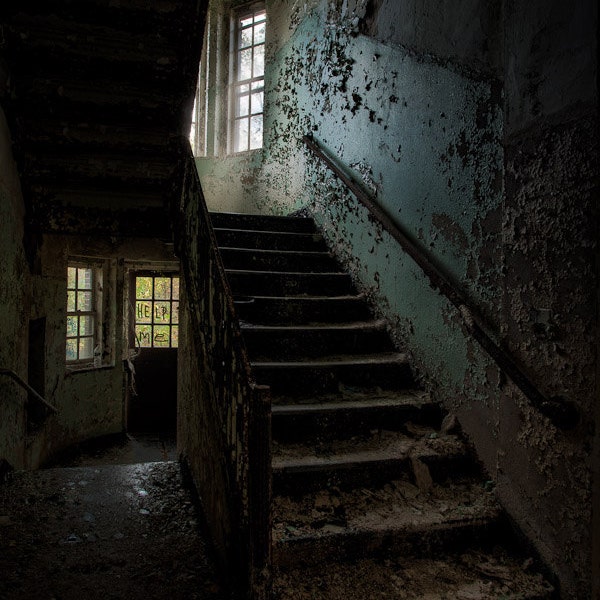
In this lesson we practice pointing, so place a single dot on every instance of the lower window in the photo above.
(84, 314)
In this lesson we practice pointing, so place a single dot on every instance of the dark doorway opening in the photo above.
(154, 336)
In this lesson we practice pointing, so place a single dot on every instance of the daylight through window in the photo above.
(248, 81)
(157, 311)
(81, 313)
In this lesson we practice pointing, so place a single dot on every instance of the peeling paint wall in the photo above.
(90, 402)
(14, 293)
(475, 126)
(549, 304)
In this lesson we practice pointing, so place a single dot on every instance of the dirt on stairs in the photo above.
(376, 493)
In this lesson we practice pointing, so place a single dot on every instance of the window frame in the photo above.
(95, 313)
(255, 83)
(133, 338)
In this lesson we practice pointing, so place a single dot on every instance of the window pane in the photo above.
(143, 312)
(175, 336)
(242, 108)
(162, 312)
(143, 335)
(162, 288)
(86, 326)
(261, 16)
(256, 133)
(86, 347)
(71, 277)
(246, 22)
(258, 85)
(241, 135)
(175, 313)
(72, 349)
(243, 89)
(259, 33)
(245, 38)
(70, 301)
(84, 301)
(259, 61)
(257, 103)
(161, 336)
(84, 279)
(175, 288)
(143, 287)
(71, 326)
(245, 64)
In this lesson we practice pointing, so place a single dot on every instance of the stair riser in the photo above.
(232, 238)
(274, 284)
(262, 223)
(156, 18)
(314, 343)
(251, 260)
(342, 424)
(264, 311)
(300, 480)
(453, 468)
(427, 542)
(327, 378)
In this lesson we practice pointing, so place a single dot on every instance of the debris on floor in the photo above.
(107, 532)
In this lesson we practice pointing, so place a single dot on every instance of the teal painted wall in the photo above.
(470, 123)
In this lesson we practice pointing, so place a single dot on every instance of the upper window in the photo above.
(84, 293)
(248, 79)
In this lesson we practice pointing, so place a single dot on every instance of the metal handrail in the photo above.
(560, 411)
(10, 373)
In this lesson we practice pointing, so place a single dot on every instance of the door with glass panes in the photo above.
(154, 335)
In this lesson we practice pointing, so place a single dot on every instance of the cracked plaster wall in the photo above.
(14, 292)
(91, 402)
(550, 247)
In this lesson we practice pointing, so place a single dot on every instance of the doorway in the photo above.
(153, 340)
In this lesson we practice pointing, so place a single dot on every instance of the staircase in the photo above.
(376, 494)
(98, 91)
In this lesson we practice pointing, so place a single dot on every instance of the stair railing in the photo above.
(233, 468)
(560, 411)
(22, 383)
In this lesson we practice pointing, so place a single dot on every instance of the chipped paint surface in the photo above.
(480, 145)
(14, 289)
(91, 402)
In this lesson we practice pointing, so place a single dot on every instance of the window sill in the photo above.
(74, 369)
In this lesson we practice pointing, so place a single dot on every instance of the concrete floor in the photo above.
(109, 528)
(120, 449)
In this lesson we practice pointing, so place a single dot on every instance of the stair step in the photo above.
(223, 220)
(270, 240)
(284, 342)
(125, 219)
(474, 574)
(369, 460)
(390, 370)
(279, 260)
(49, 44)
(98, 100)
(301, 310)
(339, 419)
(77, 167)
(278, 284)
(333, 524)
(44, 135)
(163, 16)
